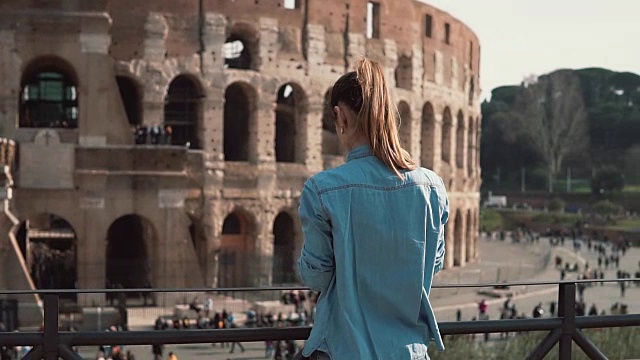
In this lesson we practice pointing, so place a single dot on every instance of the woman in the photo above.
(374, 234)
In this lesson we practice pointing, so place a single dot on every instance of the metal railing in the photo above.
(564, 329)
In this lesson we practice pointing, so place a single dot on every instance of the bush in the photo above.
(490, 220)
(607, 180)
(615, 343)
(606, 207)
(556, 205)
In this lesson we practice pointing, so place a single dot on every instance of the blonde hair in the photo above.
(366, 92)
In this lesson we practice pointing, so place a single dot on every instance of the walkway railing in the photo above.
(563, 329)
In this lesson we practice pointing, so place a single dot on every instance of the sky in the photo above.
(524, 37)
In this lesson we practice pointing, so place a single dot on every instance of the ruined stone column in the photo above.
(10, 74)
(449, 237)
(92, 244)
(463, 241)
(313, 151)
(262, 270)
(436, 145)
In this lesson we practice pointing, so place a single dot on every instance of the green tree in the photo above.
(552, 118)
(606, 180)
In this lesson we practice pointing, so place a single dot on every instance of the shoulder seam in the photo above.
(325, 213)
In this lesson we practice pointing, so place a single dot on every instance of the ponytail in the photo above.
(366, 92)
(378, 116)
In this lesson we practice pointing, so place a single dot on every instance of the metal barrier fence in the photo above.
(564, 329)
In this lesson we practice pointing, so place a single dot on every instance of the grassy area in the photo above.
(491, 219)
(628, 225)
(631, 189)
(615, 343)
(557, 218)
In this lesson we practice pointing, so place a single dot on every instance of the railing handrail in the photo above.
(293, 287)
(89, 338)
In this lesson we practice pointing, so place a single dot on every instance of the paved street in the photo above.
(500, 261)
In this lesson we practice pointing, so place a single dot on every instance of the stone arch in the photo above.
(460, 143)
(470, 236)
(241, 49)
(330, 144)
(404, 112)
(236, 249)
(427, 136)
(291, 115)
(131, 96)
(447, 125)
(48, 244)
(49, 94)
(239, 120)
(182, 111)
(284, 237)
(130, 239)
(459, 251)
(404, 72)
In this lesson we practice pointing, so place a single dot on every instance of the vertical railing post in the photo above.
(51, 316)
(567, 311)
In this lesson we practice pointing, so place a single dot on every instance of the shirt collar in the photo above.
(359, 152)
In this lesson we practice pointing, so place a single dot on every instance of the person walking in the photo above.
(231, 324)
(360, 222)
(537, 311)
(157, 350)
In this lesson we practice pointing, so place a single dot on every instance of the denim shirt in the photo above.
(373, 243)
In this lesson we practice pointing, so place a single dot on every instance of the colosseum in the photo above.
(164, 143)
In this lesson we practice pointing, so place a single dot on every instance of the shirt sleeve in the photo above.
(316, 264)
(443, 207)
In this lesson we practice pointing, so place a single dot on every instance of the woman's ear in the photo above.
(339, 114)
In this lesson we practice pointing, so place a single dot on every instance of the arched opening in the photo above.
(49, 245)
(472, 91)
(240, 50)
(470, 237)
(131, 99)
(291, 111)
(427, 136)
(460, 143)
(283, 249)
(49, 95)
(235, 251)
(477, 147)
(330, 144)
(182, 111)
(130, 240)
(404, 73)
(459, 241)
(404, 111)
(470, 147)
(239, 109)
(447, 124)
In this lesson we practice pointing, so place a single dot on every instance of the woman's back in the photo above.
(373, 242)
(374, 232)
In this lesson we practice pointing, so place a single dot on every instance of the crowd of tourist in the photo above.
(204, 316)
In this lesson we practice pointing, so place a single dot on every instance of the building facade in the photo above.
(165, 143)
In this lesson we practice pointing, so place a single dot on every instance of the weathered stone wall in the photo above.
(187, 194)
